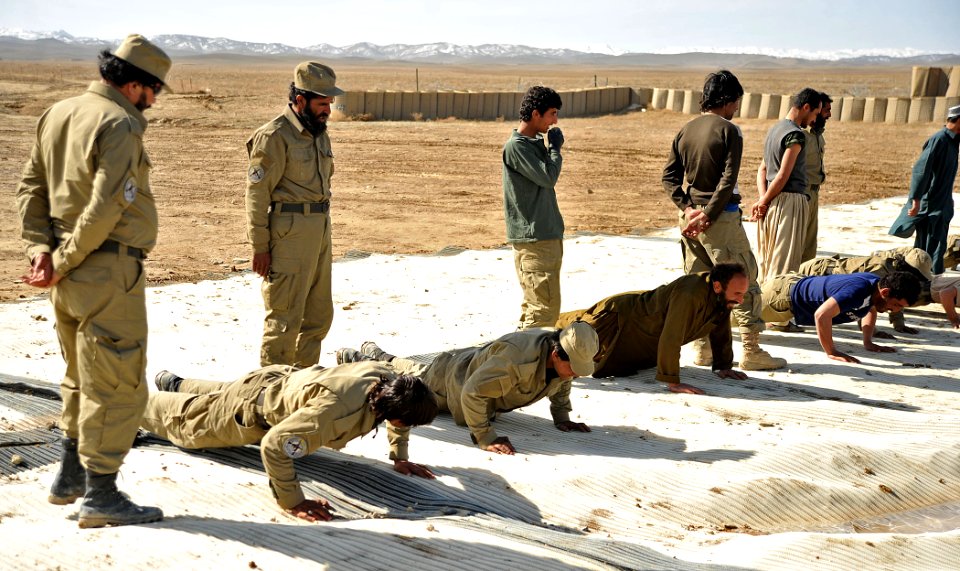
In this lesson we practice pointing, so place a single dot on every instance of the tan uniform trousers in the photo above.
(538, 269)
(101, 316)
(211, 414)
(296, 294)
(813, 226)
(777, 306)
(780, 235)
(726, 241)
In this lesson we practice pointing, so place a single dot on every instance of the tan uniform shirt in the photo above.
(98, 186)
(315, 407)
(499, 376)
(641, 329)
(287, 164)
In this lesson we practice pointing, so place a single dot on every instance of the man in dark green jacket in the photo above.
(534, 224)
(929, 207)
(643, 329)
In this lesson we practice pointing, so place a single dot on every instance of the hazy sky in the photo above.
(618, 25)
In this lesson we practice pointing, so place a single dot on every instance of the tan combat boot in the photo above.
(756, 359)
(702, 353)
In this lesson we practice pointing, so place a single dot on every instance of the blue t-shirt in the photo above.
(852, 292)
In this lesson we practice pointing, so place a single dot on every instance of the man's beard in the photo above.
(819, 123)
(142, 104)
(311, 122)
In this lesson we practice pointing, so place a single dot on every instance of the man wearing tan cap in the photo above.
(643, 329)
(929, 207)
(474, 384)
(288, 219)
(88, 219)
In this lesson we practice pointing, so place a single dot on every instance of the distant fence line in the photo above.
(591, 102)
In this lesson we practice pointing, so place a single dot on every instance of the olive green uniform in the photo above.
(288, 200)
(813, 151)
(476, 383)
(643, 329)
(85, 198)
(289, 412)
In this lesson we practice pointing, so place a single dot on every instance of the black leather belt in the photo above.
(258, 411)
(302, 207)
(114, 247)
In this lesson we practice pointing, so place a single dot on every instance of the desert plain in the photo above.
(822, 465)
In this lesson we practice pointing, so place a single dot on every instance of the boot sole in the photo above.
(63, 500)
(95, 522)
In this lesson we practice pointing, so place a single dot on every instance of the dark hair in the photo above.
(807, 96)
(541, 99)
(720, 88)
(902, 286)
(405, 398)
(294, 91)
(824, 98)
(556, 346)
(121, 72)
(724, 272)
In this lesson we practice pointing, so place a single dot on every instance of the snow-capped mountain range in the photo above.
(442, 51)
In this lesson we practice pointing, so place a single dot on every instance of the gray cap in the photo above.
(139, 51)
(316, 78)
(581, 343)
(953, 112)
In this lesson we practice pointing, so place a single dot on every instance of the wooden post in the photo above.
(417, 70)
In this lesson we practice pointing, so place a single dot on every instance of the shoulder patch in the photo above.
(295, 447)
(130, 189)
(255, 173)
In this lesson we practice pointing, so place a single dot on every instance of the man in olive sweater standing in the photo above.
(813, 149)
(706, 155)
(534, 223)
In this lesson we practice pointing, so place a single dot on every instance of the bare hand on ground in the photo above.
(312, 510)
(261, 264)
(570, 426)
(501, 446)
(874, 348)
(730, 374)
(883, 335)
(412, 469)
(684, 389)
(838, 356)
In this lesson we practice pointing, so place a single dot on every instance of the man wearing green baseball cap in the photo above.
(288, 219)
(89, 219)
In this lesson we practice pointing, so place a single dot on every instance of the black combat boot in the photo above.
(105, 505)
(167, 382)
(70, 482)
(372, 350)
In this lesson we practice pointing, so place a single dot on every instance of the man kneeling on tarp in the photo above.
(292, 413)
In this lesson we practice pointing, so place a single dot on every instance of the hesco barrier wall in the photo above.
(493, 105)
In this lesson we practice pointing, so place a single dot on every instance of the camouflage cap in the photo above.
(139, 51)
(316, 78)
(921, 261)
(581, 343)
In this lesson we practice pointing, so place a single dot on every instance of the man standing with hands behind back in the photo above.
(534, 223)
(288, 220)
(89, 218)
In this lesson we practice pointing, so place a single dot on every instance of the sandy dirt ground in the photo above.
(823, 465)
(408, 187)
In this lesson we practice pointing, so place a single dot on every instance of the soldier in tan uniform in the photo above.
(89, 218)
(476, 383)
(288, 219)
(292, 413)
(644, 329)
